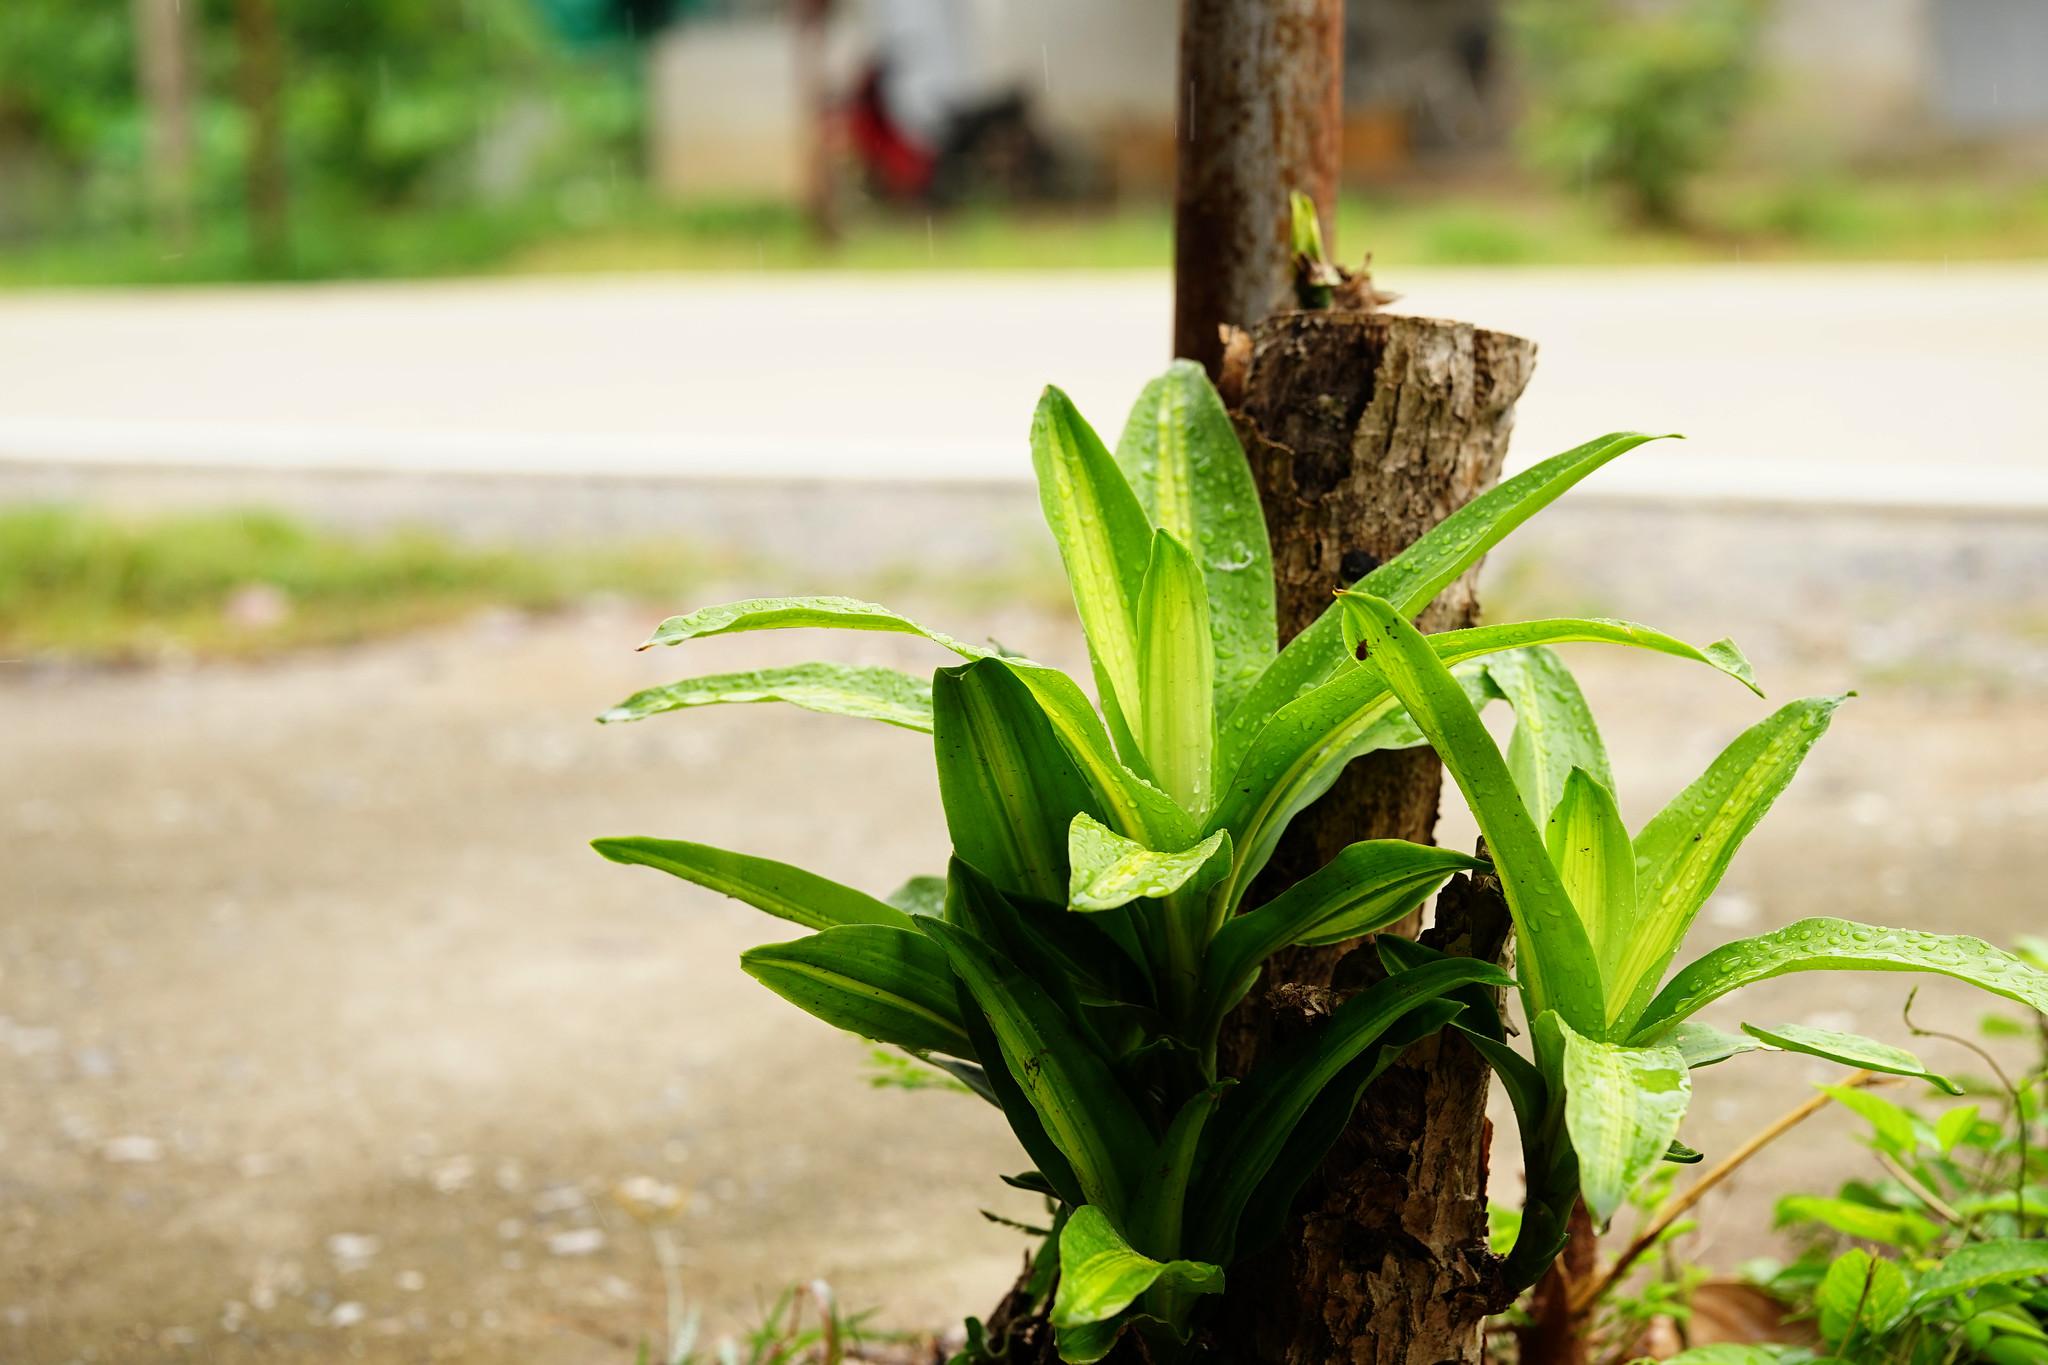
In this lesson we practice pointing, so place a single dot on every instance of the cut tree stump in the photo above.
(1364, 430)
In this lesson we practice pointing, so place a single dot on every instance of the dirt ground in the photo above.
(323, 1036)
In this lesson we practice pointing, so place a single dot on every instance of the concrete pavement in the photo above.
(1912, 385)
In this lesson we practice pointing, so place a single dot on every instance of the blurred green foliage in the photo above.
(387, 105)
(1641, 97)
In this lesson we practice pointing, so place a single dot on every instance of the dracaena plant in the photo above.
(1600, 918)
(1092, 933)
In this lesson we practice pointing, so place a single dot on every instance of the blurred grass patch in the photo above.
(84, 584)
(617, 229)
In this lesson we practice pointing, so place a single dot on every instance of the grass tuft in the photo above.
(87, 585)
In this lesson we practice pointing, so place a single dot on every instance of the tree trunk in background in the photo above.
(817, 123)
(163, 75)
(260, 80)
(1364, 430)
(1260, 116)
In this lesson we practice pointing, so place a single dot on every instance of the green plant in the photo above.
(1948, 1238)
(1077, 962)
(1599, 919)
(84, 584)
(781, 1337)
(1639, 97)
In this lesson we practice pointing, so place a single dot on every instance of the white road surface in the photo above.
(1908, 385)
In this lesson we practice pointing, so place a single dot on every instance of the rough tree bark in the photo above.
(1260, 116)
(1364, 430)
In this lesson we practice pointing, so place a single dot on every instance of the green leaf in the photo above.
(1411, 579)
(1850, 1049)
(1590, 847)
(1136, 805)
(1253, 1126)
(1100, 1274)
(1080, 959)
(1103, 536)
(1175, 717)
(2032, 1201)
(1557, 963)
(1008, 785)
(1893, 1125)
(781, 890)
(1811, 945)
(1890, 1227)
(924, 895)
(882, 694)
(891, 985)
(1085, 1112)
(1729, 1353)
(1129, 802)
(791, 613)
(1265, 1212)
(1085, 1343)
(2006, 1260)
(1703, 1045)
(1552, 1173)
(1162, 1199)
(1300, 751)
(1622, 1107)
(1955, 1125)
(1554, 728)
(1859, 1291)
(1180, 453)
(1109, 870)
(1365, 888)
(1682, 852)
(1054, 1174)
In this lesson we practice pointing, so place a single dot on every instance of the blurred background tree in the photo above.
(1640, 97)
(380, 105)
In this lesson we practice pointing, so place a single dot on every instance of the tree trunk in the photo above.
(1364, 430)
(260, 79)
(163, 74)
(1260, 116)
(817, 123)
(1554, 1334)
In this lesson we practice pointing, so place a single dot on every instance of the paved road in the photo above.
(1869, 384)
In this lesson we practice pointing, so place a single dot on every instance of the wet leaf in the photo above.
(866, 693)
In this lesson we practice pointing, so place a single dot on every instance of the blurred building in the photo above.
(1873, 75)
(1422, 78)
(1425, 80)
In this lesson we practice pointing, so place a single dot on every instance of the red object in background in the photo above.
(901, 168)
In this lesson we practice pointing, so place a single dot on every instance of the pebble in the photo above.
(347, 1314)
(576, 1242)
(559, 1199)
(646, 1197)
(132, 1150)
(353, 1251)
